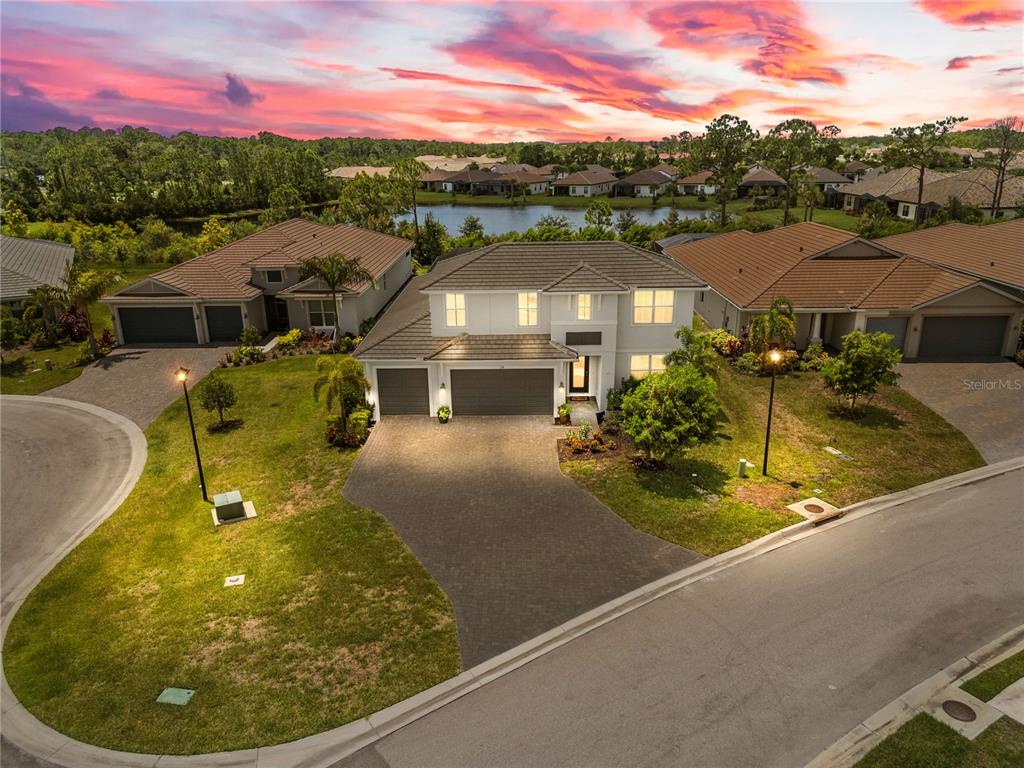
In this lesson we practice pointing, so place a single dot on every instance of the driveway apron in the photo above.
(518, 547)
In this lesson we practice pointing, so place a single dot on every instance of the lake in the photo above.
(500, 219)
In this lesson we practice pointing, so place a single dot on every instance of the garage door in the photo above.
(894, 326)
(157, 325)
(403, 391)
(962, 336)
(224, 323)
(503, 392)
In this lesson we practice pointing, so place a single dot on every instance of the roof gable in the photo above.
(583, 277)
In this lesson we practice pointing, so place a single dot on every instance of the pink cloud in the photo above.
(415, 74)
(964, 62)
(345, 69)
(974, 13)
(772, 34)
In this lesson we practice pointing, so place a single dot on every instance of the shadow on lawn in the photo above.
(870, 416)
(678, 481)
(17, 366)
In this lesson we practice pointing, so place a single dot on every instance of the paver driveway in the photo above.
(138, 382)
(985, 401)
(518, 547)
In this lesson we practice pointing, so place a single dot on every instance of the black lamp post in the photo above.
(182, 376)
(774, 356)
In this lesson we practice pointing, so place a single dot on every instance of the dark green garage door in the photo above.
(224, 323)
(962, 336)
(894, 326)
(503, 392)
(403, 391)
(157, 325)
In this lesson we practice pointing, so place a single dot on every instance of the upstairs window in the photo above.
(275, 276)
(651, 306)
(455, 309)
(527, 308)
(583, 303)
(644, 365)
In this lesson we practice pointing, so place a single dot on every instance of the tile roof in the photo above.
(682, 238)
(891, 182)
(991, 251)
(700, 177)
(510, 346)
(671, 170)
(436, 175)
(855, 165)
(760, 177)
(583, 278)
(651, 176)
(826, 175)
(527, 177)
(26, 264)
(816, 267)
(534, 265)
(226, 272)
(470, 176)
(351, 171)
(586, 179)
(974, 187)
(513, 168)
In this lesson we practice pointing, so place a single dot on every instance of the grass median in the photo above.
(336, 619)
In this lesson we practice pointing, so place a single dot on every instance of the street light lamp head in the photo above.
(775, 355)
(181, 375)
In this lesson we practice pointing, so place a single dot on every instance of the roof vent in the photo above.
(741, 270)
(801, 249)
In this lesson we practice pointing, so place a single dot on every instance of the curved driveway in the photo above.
(66, 466)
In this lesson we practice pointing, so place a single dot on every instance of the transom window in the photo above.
(455, 309)
(527, 308)
(583, 302)
(322, 312)
(275, 276)
(652, 306)
(644, 365)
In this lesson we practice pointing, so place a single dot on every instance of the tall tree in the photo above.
(335, 270)
(405, 175)
(787, 147)
(44, 302)
(86, 286)
(369, 202)
(920, 147)
(1008, 133)
(722, 150)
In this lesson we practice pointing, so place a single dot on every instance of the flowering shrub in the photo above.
(74, 324)
(286, 342)
(814, 358)
(724, 343)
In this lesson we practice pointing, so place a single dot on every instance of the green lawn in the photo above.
(336, 618)
(898, 444)
(26, 374)
(994, 679)
(924, 742)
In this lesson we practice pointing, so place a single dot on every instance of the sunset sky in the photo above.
(506, 70)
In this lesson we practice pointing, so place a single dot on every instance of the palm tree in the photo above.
(45, 301)
(339, 378)
(336, 270)
(86, 286)
(776, 326)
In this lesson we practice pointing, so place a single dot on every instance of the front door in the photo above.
(277, 313)
(579, 380)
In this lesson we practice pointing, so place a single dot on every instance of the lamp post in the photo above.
(774, 356)
(182, 375)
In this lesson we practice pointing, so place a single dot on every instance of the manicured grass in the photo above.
(336, 618)
(994, 679)
(924, 742)
(827, 216)
(26, 374)
(898, 443)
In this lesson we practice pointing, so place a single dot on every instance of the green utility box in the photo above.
(229, 506)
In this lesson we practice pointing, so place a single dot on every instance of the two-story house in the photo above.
(519, 328)
(258, 281)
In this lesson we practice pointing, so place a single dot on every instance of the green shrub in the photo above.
(814, 358)
(615, 395)
(444, 412)
(250, 337)
(867, 362)
(38, 340)
(289, 341)
(724, 343)
(749, 363)
(216, 394)
(358, 425)
(612, 424)
(246, 354)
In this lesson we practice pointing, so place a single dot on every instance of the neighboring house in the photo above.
(760, 178)
(351, 171)
(550, 172)
(670, 170)
(646, 183)
(433, 181)
(257, 281)
(517, 328)
(936, 299)
(855, 169)
(506, 168)
(698, 183)
(973, 187)
(455, 164)
(681, 239)
(883, 187)
(826, 179)
(595, 168)
(468, 181)
(584, 184)
(535, 183)
(26, 264)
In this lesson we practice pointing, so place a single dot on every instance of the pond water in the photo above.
(497, 220)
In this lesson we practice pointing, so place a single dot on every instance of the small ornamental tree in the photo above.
(341, 382)
(866, 363)
(777, 326)
(694, 349)
(670, 412)
(216, 394)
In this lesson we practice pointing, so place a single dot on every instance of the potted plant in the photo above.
(443, 414)
(564, 413)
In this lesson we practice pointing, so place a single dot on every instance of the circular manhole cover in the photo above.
(959, 711)
(814, 509)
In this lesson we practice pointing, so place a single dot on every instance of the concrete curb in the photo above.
(325, 749)
(868, 734)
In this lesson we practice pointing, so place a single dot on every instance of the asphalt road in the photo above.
(765, 664)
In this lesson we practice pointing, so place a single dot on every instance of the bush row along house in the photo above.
(955, 291)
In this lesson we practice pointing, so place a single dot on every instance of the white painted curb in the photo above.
(327, 748)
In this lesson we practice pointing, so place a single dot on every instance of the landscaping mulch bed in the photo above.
(614, 447)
